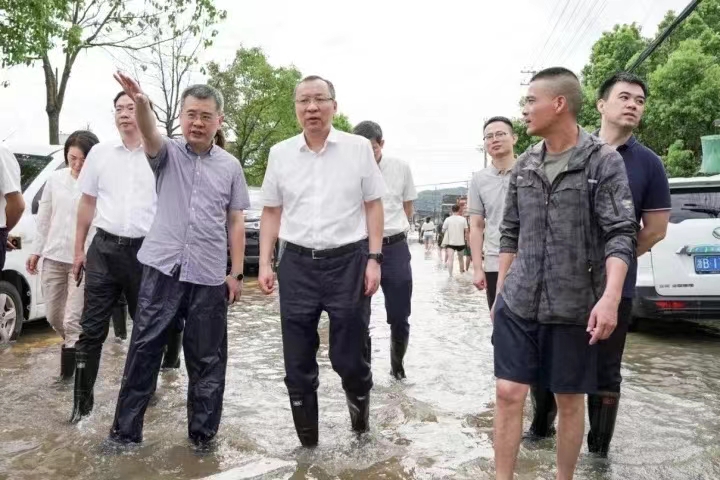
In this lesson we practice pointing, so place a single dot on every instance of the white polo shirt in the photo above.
(9, 180)
(322, 194)
(400, 188)
(124, 185)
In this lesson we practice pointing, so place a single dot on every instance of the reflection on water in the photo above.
(437, 424)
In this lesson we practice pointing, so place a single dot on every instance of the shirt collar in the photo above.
(189, 149)
(629, 144)
(496, 171)
(331, 138)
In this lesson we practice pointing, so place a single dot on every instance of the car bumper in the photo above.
(649, 304)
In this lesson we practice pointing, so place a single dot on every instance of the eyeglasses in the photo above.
(305, 102)
(120, 108)
(203, 117)
(498, 135)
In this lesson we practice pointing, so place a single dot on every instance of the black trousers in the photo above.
(335, 285)
(3, 246)
(491, 279)
(111, 270)
(164, 301)
(396, 283)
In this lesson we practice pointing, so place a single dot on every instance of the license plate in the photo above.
(707, 264)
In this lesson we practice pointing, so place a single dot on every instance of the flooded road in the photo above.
(436, 424)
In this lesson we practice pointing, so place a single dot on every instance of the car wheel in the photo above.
(11, 313)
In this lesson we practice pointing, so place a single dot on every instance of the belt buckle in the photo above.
(123, 241)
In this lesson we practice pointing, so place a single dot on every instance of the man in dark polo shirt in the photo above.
(621, 102)
(200, 188)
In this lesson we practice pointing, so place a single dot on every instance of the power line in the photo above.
(567, 2)
(582, 27)
(538, 48)
(558, 41)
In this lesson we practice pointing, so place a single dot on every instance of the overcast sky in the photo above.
(428, 72)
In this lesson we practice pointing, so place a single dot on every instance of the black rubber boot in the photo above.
(67, 364)
(305, 415)
(397, 353)
(602, 410)
(86, 369)
(119, 320)
(171, 357)
(359, 411)
(544, 413)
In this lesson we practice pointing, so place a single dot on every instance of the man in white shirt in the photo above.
(396, 279)
(12, 204)
(454, 230)
(118, 199)
(322, 196)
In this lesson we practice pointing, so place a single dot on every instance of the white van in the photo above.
(20, 293)
(680, 277)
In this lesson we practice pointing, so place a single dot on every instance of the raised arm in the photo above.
(152, 140)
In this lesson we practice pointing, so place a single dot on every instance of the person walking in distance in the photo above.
(454, 233)
(322, 196)
(621, 102)
(55, 244)
(568, 231)
(118, 199)
(202, 194)
(486, 203)
(396, 278)
(428, 234)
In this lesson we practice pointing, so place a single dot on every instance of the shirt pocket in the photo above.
(530, 191)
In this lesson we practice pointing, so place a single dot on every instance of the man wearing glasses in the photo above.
(486, 202)
(200, 188)
(322, 196)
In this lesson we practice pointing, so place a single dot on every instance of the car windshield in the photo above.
(696, 203)
(30, 167)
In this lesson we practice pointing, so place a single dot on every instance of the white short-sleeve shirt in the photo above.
(9, 180)
(400, 188)
(124, 185)
(322, 194)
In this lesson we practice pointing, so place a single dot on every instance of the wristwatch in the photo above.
(237, 276)
(378, 257)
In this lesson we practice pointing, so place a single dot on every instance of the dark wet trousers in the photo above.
(111, 270)
(396, 283)
(3, 246)
(164, 301)
(309, 286)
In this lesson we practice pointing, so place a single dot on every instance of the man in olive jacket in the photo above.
(567, 238)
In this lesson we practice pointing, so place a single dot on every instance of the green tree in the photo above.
(680, 162)
(342, 122)
(27, 27)
(259, 107)
(525, 140)
(80, 25)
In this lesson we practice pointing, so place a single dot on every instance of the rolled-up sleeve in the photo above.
(409, 192)
(270, 191)
(159, 161)
(372, 183)
(510, 225)
(476, 206)
(614, 209)
(90, 174)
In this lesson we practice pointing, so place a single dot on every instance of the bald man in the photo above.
(569, 231)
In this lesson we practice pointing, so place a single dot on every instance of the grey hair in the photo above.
(203, 92)
(312, 78)
(369, 130)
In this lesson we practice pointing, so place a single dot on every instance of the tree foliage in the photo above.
(683, 77)
(259, 107)
(79, 25)
(525, 140)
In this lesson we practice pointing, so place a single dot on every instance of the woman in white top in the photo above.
(55, 243)
(428, 231)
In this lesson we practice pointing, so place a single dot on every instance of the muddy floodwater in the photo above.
(436, 424)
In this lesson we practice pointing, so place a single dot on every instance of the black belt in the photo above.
(398, 237)
(119, 240)
(328, 253)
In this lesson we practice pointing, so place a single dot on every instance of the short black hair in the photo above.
(369, 130)
(566, 85)
(204, 92)
(117, 97)
(504, 120)
(427, 219)
(82, 139)
(312, 78)
(455, 208)
(627, 77)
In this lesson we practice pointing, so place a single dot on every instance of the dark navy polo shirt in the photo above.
(650, 191)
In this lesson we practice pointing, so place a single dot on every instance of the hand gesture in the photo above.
(603, 320)
(479, 279)
(234, 287)
(130, 87)
(372, 278)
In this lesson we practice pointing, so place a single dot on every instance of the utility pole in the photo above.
(664, 35)
(530, 73)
